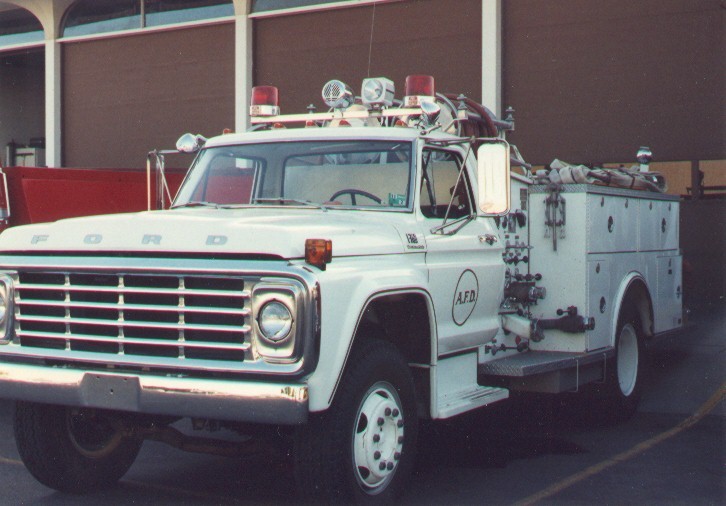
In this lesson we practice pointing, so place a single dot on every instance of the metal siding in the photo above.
(299, 53)
(124, 96)
(592, 81)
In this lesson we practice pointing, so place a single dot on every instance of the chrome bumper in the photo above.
(244, 401)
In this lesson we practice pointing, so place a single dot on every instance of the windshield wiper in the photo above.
(283, 200)
(197, 203)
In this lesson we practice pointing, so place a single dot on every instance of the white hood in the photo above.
(278, 232)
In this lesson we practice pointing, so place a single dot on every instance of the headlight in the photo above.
(275, 321)
(277, 306)
(6, 305)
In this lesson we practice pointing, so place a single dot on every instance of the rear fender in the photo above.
(634, 289)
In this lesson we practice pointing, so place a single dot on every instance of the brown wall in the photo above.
(703, 241)
(121, 98)
(593, 80)
(22, 97)
(300, 53)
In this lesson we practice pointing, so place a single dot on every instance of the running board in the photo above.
(546, 371)
(537, 362)
(455, 390)
(468, 400)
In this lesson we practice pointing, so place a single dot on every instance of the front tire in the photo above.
(363, 447)
(73, 450)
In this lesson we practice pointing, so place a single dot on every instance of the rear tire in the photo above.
(622, 389)
(73, 450)
(362, 449)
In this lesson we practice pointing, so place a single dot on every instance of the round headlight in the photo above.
(275, 321)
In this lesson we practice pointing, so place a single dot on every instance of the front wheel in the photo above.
(362, 448)
(73, 450)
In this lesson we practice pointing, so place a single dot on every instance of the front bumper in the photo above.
(244, 401)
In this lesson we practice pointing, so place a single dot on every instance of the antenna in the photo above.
(370, 44)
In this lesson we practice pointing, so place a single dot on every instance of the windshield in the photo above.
(370, 174)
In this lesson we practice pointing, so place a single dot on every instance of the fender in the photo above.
(625, 285)
(348, 286)
(371, 298)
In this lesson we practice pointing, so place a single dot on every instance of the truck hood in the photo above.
(274, 232)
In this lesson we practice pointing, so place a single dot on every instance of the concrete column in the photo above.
(243, 64)
(491, 55)
(53, 119)
(50, 13)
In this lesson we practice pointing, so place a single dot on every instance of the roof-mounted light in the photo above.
(377, 92)
(337, 94)
(264, 101)
(419, 88)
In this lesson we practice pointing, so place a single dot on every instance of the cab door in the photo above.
(464, 257)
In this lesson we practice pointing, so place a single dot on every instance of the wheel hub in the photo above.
(627, 362)
(378, 438)
(92, 435)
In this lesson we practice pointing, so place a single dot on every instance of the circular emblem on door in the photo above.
(465, 297)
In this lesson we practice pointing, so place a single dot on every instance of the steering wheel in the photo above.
(353, 192)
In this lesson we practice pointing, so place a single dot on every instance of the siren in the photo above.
(337, 95)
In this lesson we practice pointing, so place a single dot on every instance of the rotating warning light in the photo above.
(337, 94)
(377, 91)
(418, 88)
(264, 101)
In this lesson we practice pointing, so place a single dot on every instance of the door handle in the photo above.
(488, 238)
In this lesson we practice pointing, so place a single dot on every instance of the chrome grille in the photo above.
(190, 321)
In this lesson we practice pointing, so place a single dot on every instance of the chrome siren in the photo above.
(337, 94)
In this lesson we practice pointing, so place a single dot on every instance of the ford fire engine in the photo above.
(339, 276)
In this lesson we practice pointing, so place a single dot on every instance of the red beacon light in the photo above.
(264, 101)
(418, 88)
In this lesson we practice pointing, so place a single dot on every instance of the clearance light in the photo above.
(418, 88)
(377, 91)
(264, 101)
(318, 252)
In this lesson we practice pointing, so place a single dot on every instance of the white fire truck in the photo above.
(340, 281)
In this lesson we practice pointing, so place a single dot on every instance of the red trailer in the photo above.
(37, 195)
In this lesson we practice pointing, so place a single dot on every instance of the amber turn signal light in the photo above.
(318, 252)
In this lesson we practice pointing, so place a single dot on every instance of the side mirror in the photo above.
(493, 175)
(430, 111)
(189, 143)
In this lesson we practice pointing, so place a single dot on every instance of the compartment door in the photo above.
(668, 306)
(599, 302)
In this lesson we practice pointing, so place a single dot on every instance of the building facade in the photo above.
(99, 83)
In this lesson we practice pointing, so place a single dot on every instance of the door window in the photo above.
(444, 182)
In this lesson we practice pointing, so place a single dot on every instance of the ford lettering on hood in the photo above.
(275, 232)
